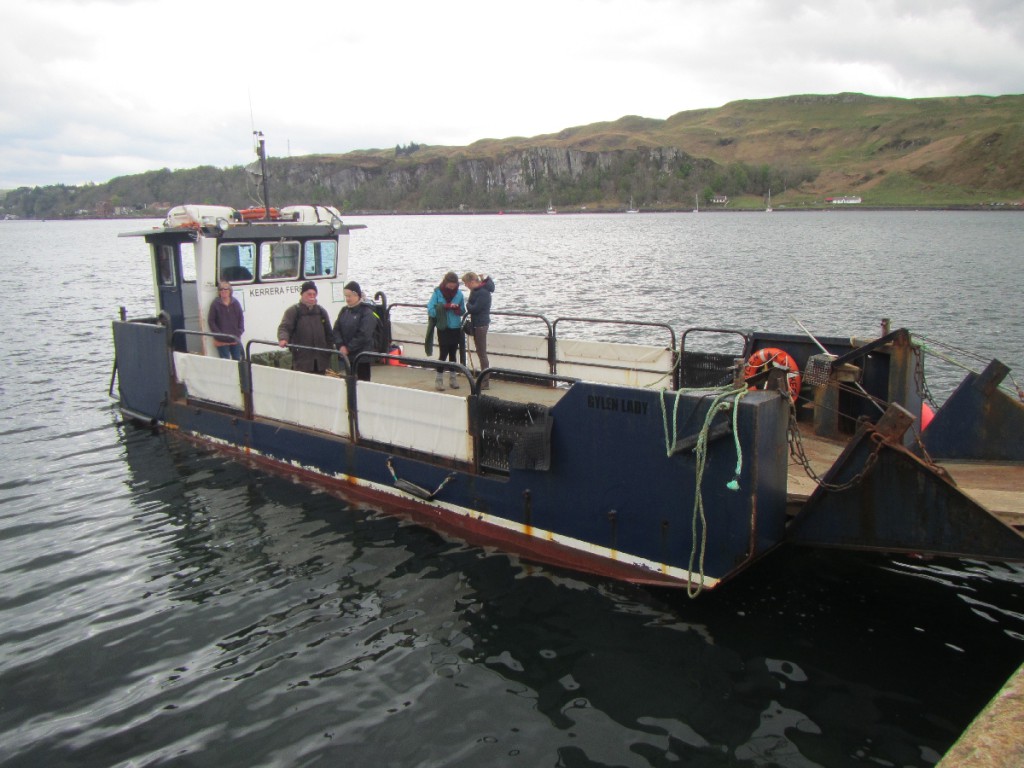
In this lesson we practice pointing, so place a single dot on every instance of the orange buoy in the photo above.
(394, 353)
(772, 356)
(927, 414)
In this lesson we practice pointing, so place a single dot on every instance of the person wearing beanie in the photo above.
(226, 318)
(353, 330)
(446, 308)
(479, 308)
(307, 324)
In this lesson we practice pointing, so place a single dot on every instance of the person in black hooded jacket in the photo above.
(353, 330)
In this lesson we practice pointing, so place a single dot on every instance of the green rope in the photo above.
(725, 400)
(670, 430)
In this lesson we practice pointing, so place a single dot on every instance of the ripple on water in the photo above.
(162, 604)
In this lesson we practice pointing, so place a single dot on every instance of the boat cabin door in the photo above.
(174, 271)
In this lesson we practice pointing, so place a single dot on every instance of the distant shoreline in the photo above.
(1007, 208)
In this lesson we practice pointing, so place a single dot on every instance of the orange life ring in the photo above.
(760, 360)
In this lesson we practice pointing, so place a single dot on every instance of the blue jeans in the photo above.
(230, 352)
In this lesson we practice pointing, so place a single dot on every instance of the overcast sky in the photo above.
(93, 90)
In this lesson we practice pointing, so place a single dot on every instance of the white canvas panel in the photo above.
(431, 422)
(614, 363)
(518, 353)
(307, 399)
(210, 378)
(410, 336)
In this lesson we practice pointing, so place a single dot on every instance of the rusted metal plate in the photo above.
(901, 504)
(978, 421)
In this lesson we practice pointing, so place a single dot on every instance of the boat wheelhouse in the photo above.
(265, 261)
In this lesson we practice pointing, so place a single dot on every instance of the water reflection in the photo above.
(165, 605)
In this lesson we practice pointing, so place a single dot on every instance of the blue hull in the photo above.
(612, 502)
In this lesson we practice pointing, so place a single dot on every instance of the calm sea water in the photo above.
(164, 606)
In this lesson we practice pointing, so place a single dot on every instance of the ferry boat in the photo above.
(630, 450)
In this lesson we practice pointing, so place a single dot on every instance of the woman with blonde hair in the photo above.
(479, 308)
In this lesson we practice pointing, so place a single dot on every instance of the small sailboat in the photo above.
(632, 209)
(768, 207)
(551, 208)
(696, 204)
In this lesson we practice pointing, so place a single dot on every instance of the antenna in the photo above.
(261, 152)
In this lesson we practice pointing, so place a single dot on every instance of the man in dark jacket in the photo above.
(307, 324)
(353, 330)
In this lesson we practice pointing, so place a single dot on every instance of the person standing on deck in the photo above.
(226, 317)
(307, 324)
(353, 330)
(478, 305)
(447, 306)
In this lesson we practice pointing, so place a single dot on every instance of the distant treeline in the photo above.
(526, 181)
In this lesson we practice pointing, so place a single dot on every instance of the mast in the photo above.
(262, 154)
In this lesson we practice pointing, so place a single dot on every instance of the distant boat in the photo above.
(551, 208)
(631, 208)
(696, 204)
(768, 208)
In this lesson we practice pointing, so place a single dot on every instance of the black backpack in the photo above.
(381, 328)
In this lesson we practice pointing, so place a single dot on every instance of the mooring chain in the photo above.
(920, 380)
(928, 345)
(796, 450)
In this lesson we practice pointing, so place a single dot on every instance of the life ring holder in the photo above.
(773, 356)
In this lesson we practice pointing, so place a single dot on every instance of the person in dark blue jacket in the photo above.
(479, 308)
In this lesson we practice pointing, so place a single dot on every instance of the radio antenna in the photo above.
(262, 154)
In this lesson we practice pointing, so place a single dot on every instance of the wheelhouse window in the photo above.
(188, 262)
(165, 265)
(236, 262)
(320, 258)
(279, 260)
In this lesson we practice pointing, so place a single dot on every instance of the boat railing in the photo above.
(527, 347)
(624, 362)
(523, 350)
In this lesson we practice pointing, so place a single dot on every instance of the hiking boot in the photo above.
(453, 381)
(439, 382)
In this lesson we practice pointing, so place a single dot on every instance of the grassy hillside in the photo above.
(961, 151)
(941, 151)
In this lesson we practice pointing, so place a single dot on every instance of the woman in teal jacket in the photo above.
(446, 307)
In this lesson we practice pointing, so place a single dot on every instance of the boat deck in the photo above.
(998, 486)
(414, 377)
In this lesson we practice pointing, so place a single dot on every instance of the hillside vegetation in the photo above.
(962, 151)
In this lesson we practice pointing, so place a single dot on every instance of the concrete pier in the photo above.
(996, 737)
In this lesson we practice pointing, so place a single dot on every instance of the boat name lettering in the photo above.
(620, 404)
(273, 290)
